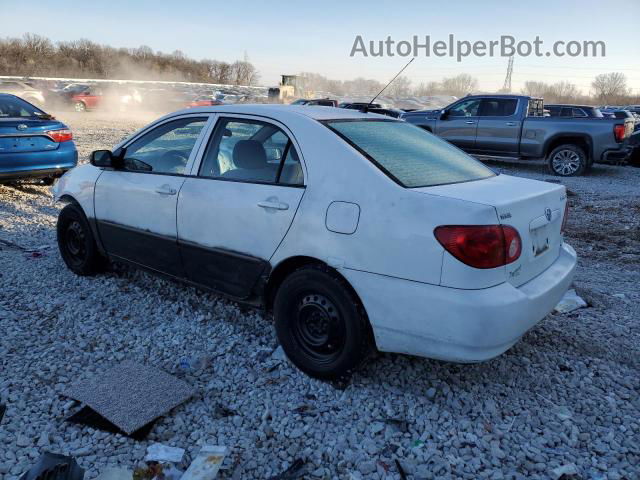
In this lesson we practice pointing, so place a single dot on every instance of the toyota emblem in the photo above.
(22, 126)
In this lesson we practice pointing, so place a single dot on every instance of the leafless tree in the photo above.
(460, 85)
(610, 87)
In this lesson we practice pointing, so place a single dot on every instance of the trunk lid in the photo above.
(532, 207)
(19, 135)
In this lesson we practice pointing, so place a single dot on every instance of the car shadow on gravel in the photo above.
(28, 188)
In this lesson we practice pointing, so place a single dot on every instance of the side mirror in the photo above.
(443, 114)
(102, 158)
(106, 159)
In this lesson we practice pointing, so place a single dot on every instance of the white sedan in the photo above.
(358, 231)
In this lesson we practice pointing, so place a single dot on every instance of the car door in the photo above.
(498, 127)
(237, 206)
(460, 123)
(135, 206)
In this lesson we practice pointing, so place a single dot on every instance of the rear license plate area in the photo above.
(540, 239)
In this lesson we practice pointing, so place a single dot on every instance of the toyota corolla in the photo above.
(357, 231)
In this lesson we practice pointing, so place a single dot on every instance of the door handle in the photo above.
(273, 204)
(166, 190)
(469, 122)
(511, 124)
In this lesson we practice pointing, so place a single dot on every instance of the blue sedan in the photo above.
(33, 144)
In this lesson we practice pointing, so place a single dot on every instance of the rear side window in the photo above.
(495, 107)
(251, 151)
(409, 155)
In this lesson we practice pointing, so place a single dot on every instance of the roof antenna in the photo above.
(366, 109)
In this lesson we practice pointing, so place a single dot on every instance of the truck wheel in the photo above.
(567, 161)
(320, 324)
(79, 107)
(76, 243)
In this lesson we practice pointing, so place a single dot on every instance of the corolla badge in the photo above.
(547, 213)
(22, 126)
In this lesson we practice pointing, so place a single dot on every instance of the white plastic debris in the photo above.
(115, 474)
(206, 464)
(164, 454)
(570, 302)
(565, 470)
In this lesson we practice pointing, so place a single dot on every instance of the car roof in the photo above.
(284, 112)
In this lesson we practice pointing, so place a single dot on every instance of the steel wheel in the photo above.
(318, 327)
(75, 242)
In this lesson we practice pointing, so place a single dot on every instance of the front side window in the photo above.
(467, 108)
(166, 148)
(409, 155)
(251, 151)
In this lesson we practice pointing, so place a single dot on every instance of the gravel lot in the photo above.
(568, 393)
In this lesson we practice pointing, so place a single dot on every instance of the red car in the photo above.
(203, 102)
(87, 99)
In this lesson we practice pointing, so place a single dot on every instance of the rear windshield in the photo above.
(408, 154)
(15, 107)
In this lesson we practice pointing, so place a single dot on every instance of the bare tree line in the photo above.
(34, 55)
(606, 88)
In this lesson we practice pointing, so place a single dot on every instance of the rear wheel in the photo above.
(567, 161)
(76, 242)
(320, 323)
(79, 107)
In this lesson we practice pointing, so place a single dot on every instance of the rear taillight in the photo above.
(565, 216)
(618, 132)
(481, 246)
(60, 136)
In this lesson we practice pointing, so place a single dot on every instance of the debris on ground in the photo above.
(131, 395)
(295, 470)
(194, 364)
(206, 464)
(564, 472)
(115, 474)
(157, 452)
(53, 466)
(570, 302)
(403, 475)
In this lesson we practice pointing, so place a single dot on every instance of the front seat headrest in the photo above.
(250, 155)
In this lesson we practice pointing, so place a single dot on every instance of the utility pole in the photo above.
(507, 80)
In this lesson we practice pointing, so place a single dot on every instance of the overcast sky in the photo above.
(290, 37)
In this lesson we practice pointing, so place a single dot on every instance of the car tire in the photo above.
(48, 181)
(76, 242)
(321, 324)
(567, 161)
(79, 107)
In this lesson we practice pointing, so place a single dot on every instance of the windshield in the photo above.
(15, 107)
(409, 155)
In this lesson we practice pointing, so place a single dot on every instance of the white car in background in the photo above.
(358, 231)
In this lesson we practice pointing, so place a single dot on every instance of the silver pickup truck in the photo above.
(514, 126)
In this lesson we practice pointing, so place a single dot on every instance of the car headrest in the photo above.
(249, 154)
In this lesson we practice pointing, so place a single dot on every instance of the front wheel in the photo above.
(79, 107)
(320, 323)
(76, 242)
(568, 161)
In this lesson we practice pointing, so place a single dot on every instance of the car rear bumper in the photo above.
(459, 325)
(615, 155)
(38, 164)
